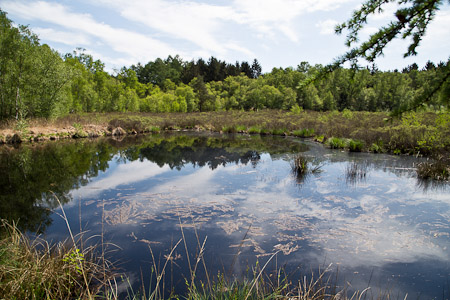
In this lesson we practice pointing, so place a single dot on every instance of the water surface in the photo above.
(238, 194)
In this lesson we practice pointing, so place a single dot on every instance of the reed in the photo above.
(356, 172)
(32, 268)
(438, 169)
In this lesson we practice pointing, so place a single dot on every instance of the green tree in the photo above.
(33, 77)
(206, 100)
(412, 20)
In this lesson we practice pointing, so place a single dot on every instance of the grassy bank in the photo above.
(426, 134)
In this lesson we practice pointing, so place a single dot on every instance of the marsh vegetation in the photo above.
(233, 201)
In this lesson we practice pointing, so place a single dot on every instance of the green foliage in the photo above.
(229, 129)
(299, 165)
(74, 259)
(376, 147)
(296, 109)
(79, 131)
(411, 21)
(36, 82)
(264, 131)
(336, 143)
(34, 269)
(355, 145)
(33, 77)
(279, 131)
(21, 126)
(254, 130)
(346, 113)
(320, 138)
(155, 129)
(304, 133)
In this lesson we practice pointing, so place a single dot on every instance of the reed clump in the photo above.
(355, 172)
(35, 269)
(438, 169)
(301, 167)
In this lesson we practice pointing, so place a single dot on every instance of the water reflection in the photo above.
(32, 175)
(240, 193)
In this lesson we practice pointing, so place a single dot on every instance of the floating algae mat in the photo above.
(379, 227)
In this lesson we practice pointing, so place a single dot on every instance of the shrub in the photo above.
(79, 131)
(303, 133)
(348, 114)
(355, 145)
(155, 129)
(229, 129)
(336, 143)
(296, 109)
(264, 131)
(254, 130)
(376, 147)
(320, 138)
(279, 131)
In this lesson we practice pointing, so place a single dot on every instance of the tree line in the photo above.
(36, 81)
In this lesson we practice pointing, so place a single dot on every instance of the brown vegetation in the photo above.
(423, 133)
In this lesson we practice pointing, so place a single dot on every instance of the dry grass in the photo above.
(35, 269)
(438, 169)
(427, 133)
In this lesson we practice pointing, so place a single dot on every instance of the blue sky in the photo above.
(279, 33)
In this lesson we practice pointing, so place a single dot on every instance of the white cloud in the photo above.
(197, 23)
(438, 33)
(269, 17)
(327, 26)
(124, 174)
(64, 37)
(270, 30)
(84, 25)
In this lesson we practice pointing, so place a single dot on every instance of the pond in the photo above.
(365, 215)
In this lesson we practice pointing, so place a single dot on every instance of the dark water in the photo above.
(381, 228)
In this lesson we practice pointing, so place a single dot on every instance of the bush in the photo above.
(229, 129)
(336, 143)
(355, 145)
(254, 130)
(376, 147)
(304, 133)
(279, 131)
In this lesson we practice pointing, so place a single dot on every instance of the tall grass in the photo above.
(301, 167)
(356, 172)
(438, 169)
(35, 269)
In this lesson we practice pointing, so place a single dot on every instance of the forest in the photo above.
(38, 82)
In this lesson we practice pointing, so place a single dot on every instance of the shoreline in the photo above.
(421, 134)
